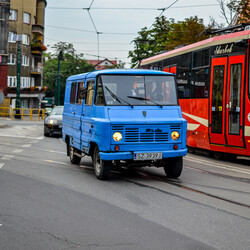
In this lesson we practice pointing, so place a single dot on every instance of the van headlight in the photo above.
(175, 135)
(117, 136)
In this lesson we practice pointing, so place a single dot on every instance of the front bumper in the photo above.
(53, 129)
(129, 155)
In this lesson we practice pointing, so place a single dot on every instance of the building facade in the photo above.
(4, 16)
(26, 27)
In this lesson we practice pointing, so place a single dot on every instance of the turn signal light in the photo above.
(175, 147)
(117, 148)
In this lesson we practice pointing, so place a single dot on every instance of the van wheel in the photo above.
(102, 168)
(173, 167)
(74, 159)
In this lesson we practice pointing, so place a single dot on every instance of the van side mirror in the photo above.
(83, 92)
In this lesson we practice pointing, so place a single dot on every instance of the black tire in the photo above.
(173, 167)
(102, 168)
(74, 159)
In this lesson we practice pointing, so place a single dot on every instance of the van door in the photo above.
(69, 108)
(87, 116)
(77, 113)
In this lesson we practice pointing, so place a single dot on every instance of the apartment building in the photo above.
(26, 24)
(4, 16)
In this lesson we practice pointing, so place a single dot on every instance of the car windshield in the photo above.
(138, 90)
(57, 111)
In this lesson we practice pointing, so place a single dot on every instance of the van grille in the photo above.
(146, 133)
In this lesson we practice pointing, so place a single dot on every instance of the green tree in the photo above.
(166, 35)
(242, 7)
(71, 64)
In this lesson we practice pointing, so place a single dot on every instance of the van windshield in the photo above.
(124, 90)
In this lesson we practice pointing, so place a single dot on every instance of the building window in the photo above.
(26, 39)
(13, 15)
(12, 37)
(12, 59)
(25, 60)
(25, 82)
(11, 81)
(32, 82)
(26, 17)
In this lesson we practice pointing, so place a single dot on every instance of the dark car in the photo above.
(53, 122)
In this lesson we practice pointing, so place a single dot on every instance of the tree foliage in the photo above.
(71, 64)
(242, 7)
(166, 35)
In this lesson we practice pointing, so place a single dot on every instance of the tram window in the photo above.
(217, 99)
(183, 83)
(234, 99)
(201, 58)
(200, 83)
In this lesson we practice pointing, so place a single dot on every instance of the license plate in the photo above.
(147, 156)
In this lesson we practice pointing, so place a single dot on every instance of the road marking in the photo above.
(218, 165)
(7, 157)
(26, 145)
(17, 151)
(1, 165)
(23, 137)
(57, 162)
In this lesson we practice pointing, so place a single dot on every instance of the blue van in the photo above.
(124, 118)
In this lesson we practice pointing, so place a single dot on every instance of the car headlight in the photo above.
(117, 136)
(52, 122)
(175, 135)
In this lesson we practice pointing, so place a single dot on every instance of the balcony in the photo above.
(36, 70)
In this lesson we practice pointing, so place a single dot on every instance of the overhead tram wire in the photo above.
(97, 32)
(146, 9)
(163, 10)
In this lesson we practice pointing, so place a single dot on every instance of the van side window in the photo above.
(90, 92)
(73, 93)
(99, 100)
(78, 99)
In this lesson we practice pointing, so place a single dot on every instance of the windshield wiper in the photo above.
(144, 99)
(117, 98)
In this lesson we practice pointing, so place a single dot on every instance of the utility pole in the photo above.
(60, 57)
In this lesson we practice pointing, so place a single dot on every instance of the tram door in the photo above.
(226, 105)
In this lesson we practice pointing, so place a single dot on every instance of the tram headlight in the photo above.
(175, 135)
(117, 136)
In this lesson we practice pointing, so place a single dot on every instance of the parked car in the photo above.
(53, 122)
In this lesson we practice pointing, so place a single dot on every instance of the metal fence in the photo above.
(22, 113)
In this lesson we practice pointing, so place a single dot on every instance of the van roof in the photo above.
(93, 74)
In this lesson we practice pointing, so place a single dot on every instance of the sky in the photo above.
(114, 23)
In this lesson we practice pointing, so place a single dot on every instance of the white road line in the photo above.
(17, 151)
(23, 137)
(57, 162)
(7, 157)
(218, 165)
(1, 165)
(26, 145)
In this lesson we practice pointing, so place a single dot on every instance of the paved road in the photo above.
(47, 203)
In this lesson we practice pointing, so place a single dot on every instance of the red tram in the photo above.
(214, 90)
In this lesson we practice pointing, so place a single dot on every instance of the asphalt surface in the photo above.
(47, 203)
